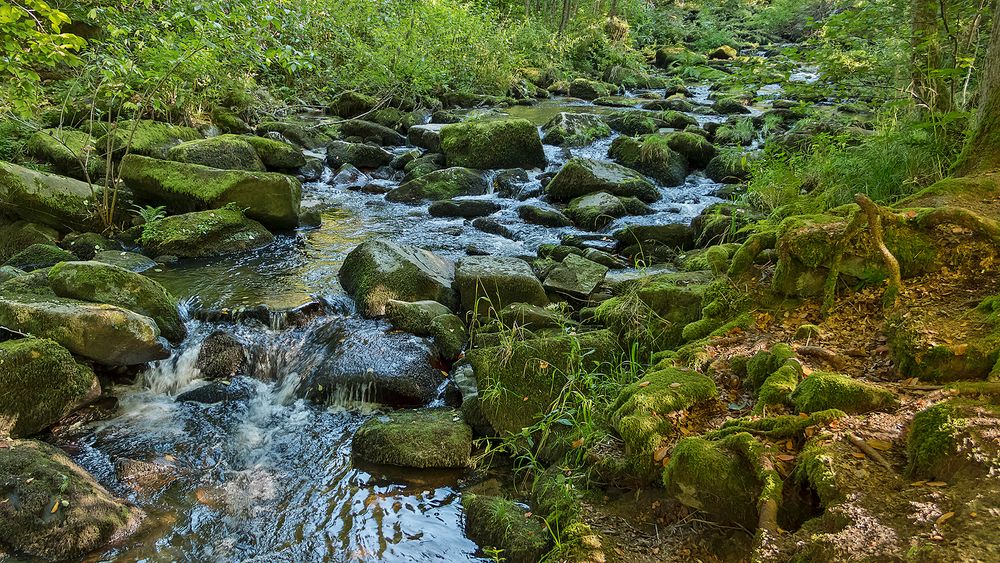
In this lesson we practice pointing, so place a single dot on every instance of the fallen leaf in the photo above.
(661, 453)
(918, 483)
(937, 484)
(55, 507)
(786, 457)
(170, 458)
(879, 444)
(943, 518)
(675, 385)
(644, 384)
(858, 455)
(577, 443)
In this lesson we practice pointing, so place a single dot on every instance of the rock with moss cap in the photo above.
(204, 233)
(423, 439)
(16, 236)
(695, 148)
(502, 524)
(145, 137)
(227, 152)
(574, 129)
(575, 276)
(69, 152)
(588, 89)
(38, 256)
(440, 185)
(449, 335)
(276, 155)
(414, 317)
(361, 155)
(104, 283)
(593, 212)
(821, 391)
(582, 176)
(80, 516)
(493, 282)
(301, 134)
(728, 106)
(351, 104)
(379, 270)
(54, 201)
(629, 122)
(727, 169)
(273, 199)
(502, 143)
(370, 132)
(955, 440)
(228, 121)
(652, 156)
(42, 384)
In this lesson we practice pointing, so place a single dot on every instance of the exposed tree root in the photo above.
(875, 214)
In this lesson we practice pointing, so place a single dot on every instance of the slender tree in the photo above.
(929, 88)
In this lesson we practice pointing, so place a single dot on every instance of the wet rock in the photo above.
(9, 273)
(596, 210)
(588, 89)
(351, 104)
(60, 512)
(16, 236)
(400, 161)
(574, 129)
(496, 281)
(728, 170)
(440, 184)
(228, 121)
(652, 156)
(413, 317)
(145, 137)
(350, 177)
(958, 439)
(54, 201)
(674, 235)
(541, 216)
(723, 53)
(130, 261)
(425, 136)
(575, 276)
(273, 199)
(301, 134)
(379, 270)
(239, 389)
(204, 233)
(312, 171)
(145, 479)
(222, 356)
(86, 245)
(69, 152)
(423, 439)
(371, 132)
(511, 183)
(672, 104)
(533, 317)
(493, 227)
(728, 106)
(449, 335)
(229, 152)
(502, 524)
(38, 256)
(670, 57)
(675, 119)
(695, 148)
(467, 208)
(42, 384)
(582, 176)
(503, 143)
(361, 155)
(821, 391)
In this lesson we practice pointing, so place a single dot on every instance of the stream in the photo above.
(267, 475)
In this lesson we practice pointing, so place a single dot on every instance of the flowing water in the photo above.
(267, 475)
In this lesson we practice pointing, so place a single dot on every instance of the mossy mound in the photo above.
(103, 283)
(38, 256)
(955, 440)
(574, 129)
(204, 233)
(518, 380)
(277, 155)
(652, 157)
(69, 152)
(778, 388)
(728, 169)
(504, 143)
(414, 317)
(821, 391)
(440, 185)
(42, 383)
(379, 270)
(641, 412)
(428, 438)
(630, 122)
(449, 335)
(54, 201)
(582, 176)
(227, 152)
(487, 283)
(273, 199)
(499, 523)
(145, 137)
(370, 132)
(351, 104)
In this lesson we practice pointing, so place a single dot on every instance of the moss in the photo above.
(55, 201)
(634, 122)
(300, 134)
(228, 152)
(678, 120)
(272, 199)
(504, 143)
(104, 283)
(16, 236)
(38, 256)
(41, 383)
(379, 270)
(596, 210)
(821, 391)
(652, 157)
(574, 129)
(276, 155)
(778, 387)
(449, 335)
(229, 121)
(766, 362)
(427, 438)
(814, 468)
(70, 152)
(351, 104)
(487, 284)
(204, 233)
(438, 185)
(695, 148)
(499, 523)
(588, 89)
(776, 427)
(145, 137)
(955, 440)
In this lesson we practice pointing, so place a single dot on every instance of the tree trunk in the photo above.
(931, 93)
(565, 16)
(982, 154)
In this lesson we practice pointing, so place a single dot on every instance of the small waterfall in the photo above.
(358, 396)
(169, 376)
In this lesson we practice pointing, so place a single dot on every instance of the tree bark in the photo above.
(930, 92)
(982, 154)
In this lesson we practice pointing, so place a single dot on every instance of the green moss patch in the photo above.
(427, 438)
(821, 391)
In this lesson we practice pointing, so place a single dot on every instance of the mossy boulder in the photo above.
(131, 261)
(493, 282)
(588, 89)
(465, 208)
(414, 317)
(204, 233)
(651, 156)
(765, 362)
(582, 176)
(370, 132)
(104, 283)
(379, 270)
(227, 152)
(533, 317)
(38, 256)
(955, 440)
(537, 215)
(641, 412)
(499, 523)
(503, 143)
(439, 185)
(574, 129)
(425, 136)
(519, 380)
(695, 148)
(59, 511)
(16, 236)
(822, 391)
(228, 121)
(351, 104)
(629, 122)
(361, 155)
(86, 245)
(145, 137)
(727, 169)
(273, 199)
(449, 336)
(730, 106)
(62, 203)
(42, 383)
(723, 53)
(575, 276)
(69, 152)
(673, 235)
(301, 134)
(671, 57)
(423, 439)
(595, 211)
(277, 155)
(778, 387)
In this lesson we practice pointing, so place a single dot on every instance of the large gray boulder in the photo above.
(486, 282)
(61, 203)
(379, 270)
(582, 176)
(491, 144)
